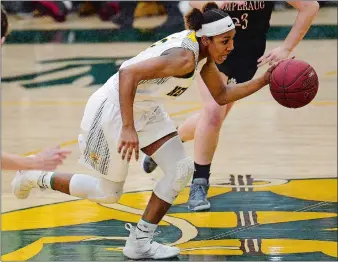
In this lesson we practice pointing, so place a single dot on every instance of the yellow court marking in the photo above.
(294, 246)
(68, 214)
(324, 190)
(331, 73)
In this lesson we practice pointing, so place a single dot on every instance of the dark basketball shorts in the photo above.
(241, 64)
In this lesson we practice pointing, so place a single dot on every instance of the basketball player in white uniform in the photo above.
(126, 115)
(48, 159)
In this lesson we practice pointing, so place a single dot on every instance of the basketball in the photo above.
(294, 83)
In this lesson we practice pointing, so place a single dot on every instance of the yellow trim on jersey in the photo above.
(192, 36)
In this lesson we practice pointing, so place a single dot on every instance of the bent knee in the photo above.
(215, 115)
(107, 192)
(111, 198)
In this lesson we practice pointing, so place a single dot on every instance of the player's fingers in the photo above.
(56, 159)
(137, 152)
(122, 144)
(130, 153)
(260, 59)
(273, 62)
(264, 57)
(262, 63)
(64, 151)
(125, 151)
(64, 155)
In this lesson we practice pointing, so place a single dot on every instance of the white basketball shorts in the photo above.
(100, 133)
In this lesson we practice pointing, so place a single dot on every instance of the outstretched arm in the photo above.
(307, 11)
(224, 93)
(15, 162)
(46, 160)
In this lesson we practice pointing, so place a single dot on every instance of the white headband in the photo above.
(216, 28)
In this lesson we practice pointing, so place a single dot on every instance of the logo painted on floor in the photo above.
(255, 219)
(98, 69)
(91, 71)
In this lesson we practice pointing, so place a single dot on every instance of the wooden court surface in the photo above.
(274, 185)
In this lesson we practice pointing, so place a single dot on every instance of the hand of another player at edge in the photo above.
(274, 56)
(129, 143)
(268, 73)
(50, 158)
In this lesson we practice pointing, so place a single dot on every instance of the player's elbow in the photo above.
(310, 7)
(221, 101)
(314, 5)
(127, 73)
(221, 98)
(187, 62)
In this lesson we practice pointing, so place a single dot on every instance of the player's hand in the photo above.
(268, 73)
(49, 159)
(223, 4)
(129, 143)
(275, 55)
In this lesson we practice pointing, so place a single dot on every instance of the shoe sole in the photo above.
(21, 193)
(125, 253)
(200, 208)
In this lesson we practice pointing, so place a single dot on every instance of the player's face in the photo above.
(221, 46)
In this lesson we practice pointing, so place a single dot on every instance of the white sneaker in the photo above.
(145, 248)
(23, 183)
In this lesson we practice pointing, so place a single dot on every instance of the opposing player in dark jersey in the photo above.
(252, 21)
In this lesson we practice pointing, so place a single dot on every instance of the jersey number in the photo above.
(243, 22)
(177, 91)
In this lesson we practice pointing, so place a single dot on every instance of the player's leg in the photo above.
(98, 147)
(99, 190)
(168, 151)
(207, 133)
(209, 121)
(207, 129)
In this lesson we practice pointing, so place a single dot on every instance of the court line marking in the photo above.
(237, 230)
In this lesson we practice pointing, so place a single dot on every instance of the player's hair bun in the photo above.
(194, 19)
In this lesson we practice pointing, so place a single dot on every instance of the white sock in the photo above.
(145, 229)
(44, 180)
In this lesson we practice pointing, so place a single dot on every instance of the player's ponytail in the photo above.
(194, 19)
(210, 21)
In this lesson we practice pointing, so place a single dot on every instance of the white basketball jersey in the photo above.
(151, 92)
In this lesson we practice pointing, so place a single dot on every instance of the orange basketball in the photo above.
(294, 83)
